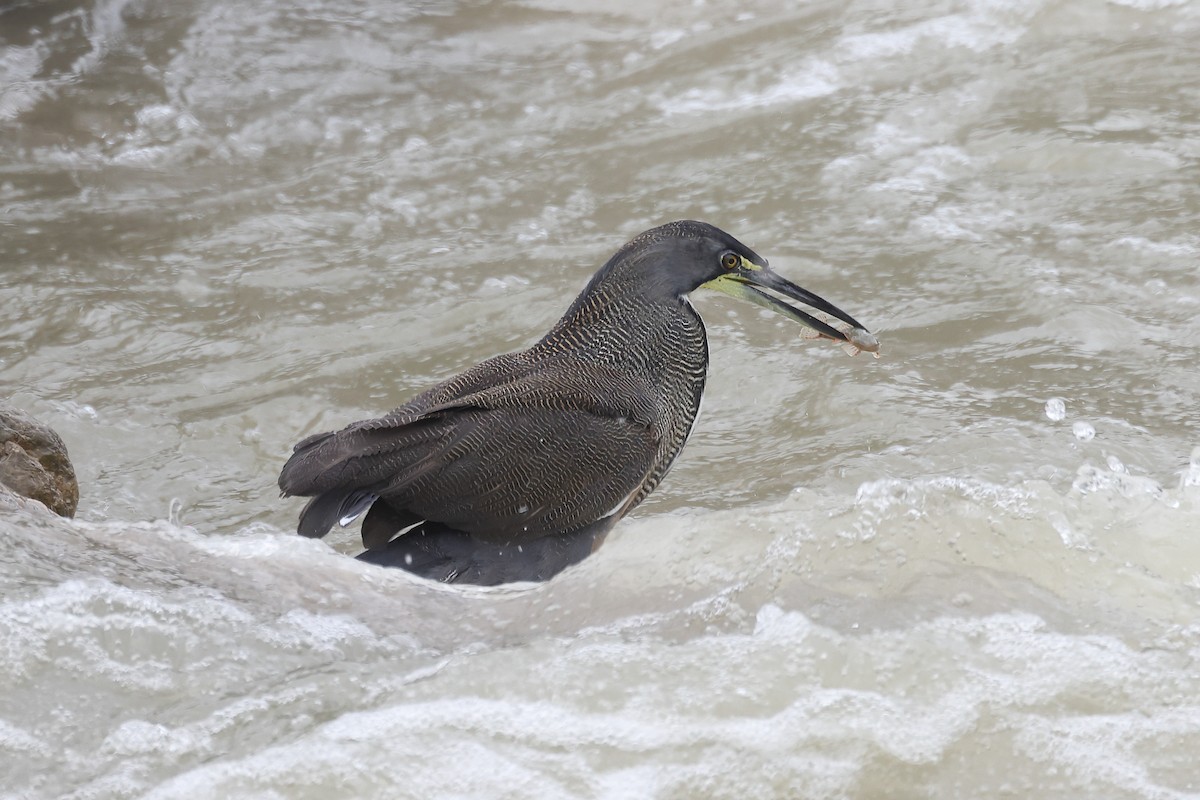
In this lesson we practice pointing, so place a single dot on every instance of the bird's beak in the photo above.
(741, 282)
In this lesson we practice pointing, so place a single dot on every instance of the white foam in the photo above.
(793, 704)
(1150, 5)
(814, 78)
(1090, 479)
(1187, 247)
(984, 26)
(1191, 475)
(17, 740)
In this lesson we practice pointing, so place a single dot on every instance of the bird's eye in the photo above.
(730, 260)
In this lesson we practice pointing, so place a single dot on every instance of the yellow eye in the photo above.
(730, 261)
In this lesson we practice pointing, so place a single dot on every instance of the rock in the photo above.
(34, 462)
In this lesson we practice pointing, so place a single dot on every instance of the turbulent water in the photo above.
(970, 568)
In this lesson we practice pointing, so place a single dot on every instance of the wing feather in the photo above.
(526, 455)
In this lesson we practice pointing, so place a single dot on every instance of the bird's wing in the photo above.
(359, 456)
(522, 379)
(565, 384)
(534, 453)
(516, 474)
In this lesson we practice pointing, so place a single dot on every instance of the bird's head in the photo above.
(671, 261)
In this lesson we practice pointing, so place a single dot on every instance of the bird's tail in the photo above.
(344, 471)
(339, 506)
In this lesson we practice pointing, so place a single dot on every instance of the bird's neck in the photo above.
(629, 331)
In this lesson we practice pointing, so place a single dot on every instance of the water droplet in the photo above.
(1083, 431)
(1056, 409)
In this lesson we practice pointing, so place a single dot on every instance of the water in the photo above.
(968, 569)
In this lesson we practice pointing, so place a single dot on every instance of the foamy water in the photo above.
(970, 568)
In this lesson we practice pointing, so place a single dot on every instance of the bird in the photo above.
(518, 467)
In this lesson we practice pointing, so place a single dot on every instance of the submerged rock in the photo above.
(34, 462)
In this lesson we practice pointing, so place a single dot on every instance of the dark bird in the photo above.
(518, 467)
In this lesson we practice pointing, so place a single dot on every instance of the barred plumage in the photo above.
(517, 467)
